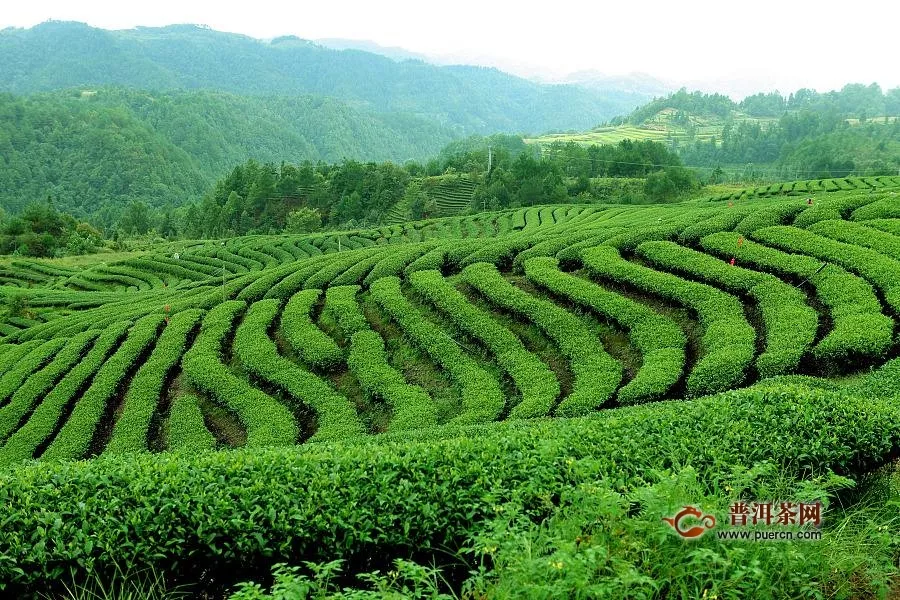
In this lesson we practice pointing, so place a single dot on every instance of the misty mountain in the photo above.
(393, 52)
(465, 99)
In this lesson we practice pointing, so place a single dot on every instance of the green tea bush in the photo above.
(412, 407)
(482, 399)
(859, 234)
(130, 431)
(728, 339)
(185, 429)
(267, 421)
(43, 421)
(532, 377)
(311, 343)
(284, 504)
(659, 339)
(774, 214)
(880, 270)
(393, 263)
(597, 374)
(335, 415)
(359, 271)
(341, 304)
(33, 389)
(336, 265)
(858, 329)
(790, 324)
(74, 439)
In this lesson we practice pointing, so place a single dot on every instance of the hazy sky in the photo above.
(766, 44)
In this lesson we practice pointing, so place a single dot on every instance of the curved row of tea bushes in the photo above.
(394, 263)
(858, 328)
(265, 282)
(337, 264)
(267, 421)
(74, 439)
(326, 502)
(185, 428)
(14, 353)
(774, 214)
(790, 324)
(141, 401)
(533, 378)
(831, 208)
(40, 426)
(335, 416)
(312, 344)
(341, 304)
(885, 208)
(359, 271)
(296, 278)
(35, 358)
(883, 272)
(412, 407)
(482, 398)
(29, 393)
(597, 374)
(728, 339)
(659, 339)
(859, 234)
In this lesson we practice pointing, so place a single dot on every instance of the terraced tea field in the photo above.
(356, 345)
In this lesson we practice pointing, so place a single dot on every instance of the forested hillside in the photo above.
(468, 99)
(95, 151)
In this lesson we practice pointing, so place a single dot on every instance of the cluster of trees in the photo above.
(269, 198)
(696, 103)
(804, 145)
(854, 100)
(806, 134)
(42, 231)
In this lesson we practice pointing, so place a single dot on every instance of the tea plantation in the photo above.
(495, 405)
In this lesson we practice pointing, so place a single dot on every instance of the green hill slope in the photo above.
(90, 148)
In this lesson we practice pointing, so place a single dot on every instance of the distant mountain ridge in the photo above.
(466, 99)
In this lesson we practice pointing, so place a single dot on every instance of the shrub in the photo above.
(482, 399)
(130, 430)
(75, 437)
(284, 504)
(267, 421)
(33, 389)
(858, 327)
(185, 429)
(310, 342)
(790, 325)
(335, 415)
(659, 340)
(728, 339)
(880, 270)
(597, 374)
(40, 426)
(412, 407)
(532, 377)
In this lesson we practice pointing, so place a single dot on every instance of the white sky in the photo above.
(766, 44)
